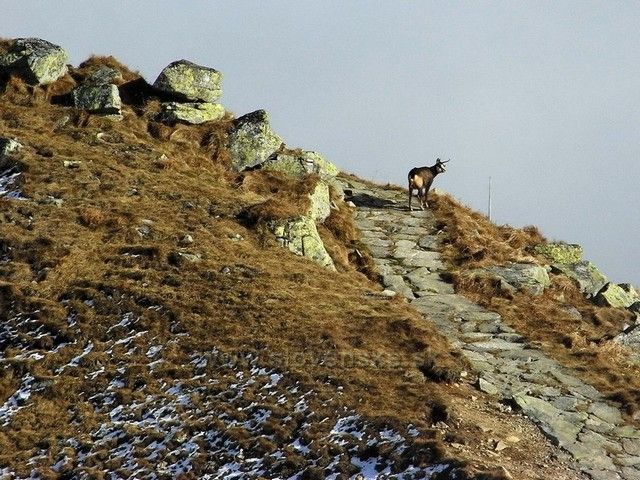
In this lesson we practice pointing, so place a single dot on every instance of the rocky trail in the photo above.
(574, 415)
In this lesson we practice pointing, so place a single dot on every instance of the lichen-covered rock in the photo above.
(301, 164)
(102, 99)
(251, 140)
(320, 202)
(301, 237)
(104, 75)
(586, 275)
(529, 277)
(193, 113)
(560, 252)
(8, 146)
(612, 295)
(36, 61)
(190, 81)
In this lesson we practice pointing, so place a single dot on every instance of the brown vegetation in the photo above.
(114, 246)
(581, 341)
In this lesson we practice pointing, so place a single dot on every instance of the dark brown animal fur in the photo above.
(421, 178)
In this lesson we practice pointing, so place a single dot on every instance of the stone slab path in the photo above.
(406, 248)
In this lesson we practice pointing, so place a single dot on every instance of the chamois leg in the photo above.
(410, 195)
(422, 197)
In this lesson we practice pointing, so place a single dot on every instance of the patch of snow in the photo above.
(17, 401)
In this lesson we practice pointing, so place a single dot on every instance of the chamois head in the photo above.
(439, 166)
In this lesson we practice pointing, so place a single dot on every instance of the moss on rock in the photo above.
(559, 252)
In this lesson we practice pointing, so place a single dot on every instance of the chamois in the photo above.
(421, 178)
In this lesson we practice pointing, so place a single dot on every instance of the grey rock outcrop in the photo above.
(301, 164)
(524, 276)
(586, 275)
(193, 113)
(101, 99)
(36, 61)
(104, 75)
(320, 202)
(190, 82)
(612, 295)
(300, 236)
(251, 140)
(559, 252)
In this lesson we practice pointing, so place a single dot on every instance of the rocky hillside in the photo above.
(185, 295)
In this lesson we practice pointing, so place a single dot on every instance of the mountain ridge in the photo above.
(145, 285)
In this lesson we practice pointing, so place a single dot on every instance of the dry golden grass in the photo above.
(115, 244)
(581, 342)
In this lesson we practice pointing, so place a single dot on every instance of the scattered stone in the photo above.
(301, 164)
(49, 200)
(388, 293)
(36, 61)
(190, 81)
(192, 113)
(72, 164)
(500, 446)
(190, 257)
(559, 252)
(100, 99)
(186, 240)
(251, 140)
(612, 295)
(487, 387)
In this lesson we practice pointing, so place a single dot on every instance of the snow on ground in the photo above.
(232, 418)
(9, 177)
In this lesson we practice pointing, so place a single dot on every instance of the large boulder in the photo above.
(612, 295)
(586, 275)
(190, 81)
(301, 164)
(559, 252)
(193, 113)
(300, 236)
(251, 140)
(529, 277)
(36, 61)
(102, 99)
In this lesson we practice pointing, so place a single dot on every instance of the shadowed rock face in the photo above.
(102, 99)
(36, 61)
(190, 81)
(251, 140)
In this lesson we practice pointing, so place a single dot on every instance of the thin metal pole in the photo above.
(489, 205)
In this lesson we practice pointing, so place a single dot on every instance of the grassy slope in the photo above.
(581, 343)
(114, 247)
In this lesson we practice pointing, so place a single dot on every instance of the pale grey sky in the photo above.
(544, 96)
